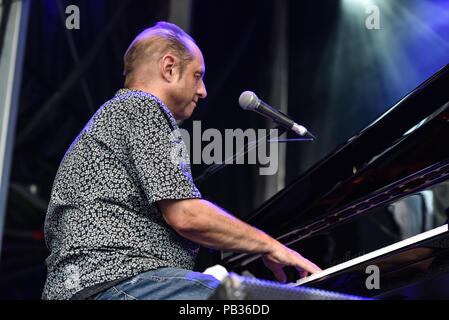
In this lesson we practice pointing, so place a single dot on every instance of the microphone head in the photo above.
(248, 100)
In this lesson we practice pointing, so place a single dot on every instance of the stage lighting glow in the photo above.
(352, 3)
(376, 67)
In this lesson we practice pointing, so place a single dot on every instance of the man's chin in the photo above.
(184, 116)
(189, 112)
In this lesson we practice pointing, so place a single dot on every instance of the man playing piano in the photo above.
(125, 221)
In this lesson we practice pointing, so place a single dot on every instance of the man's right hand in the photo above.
(283, 256)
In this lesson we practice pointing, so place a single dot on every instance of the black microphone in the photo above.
(249, 101)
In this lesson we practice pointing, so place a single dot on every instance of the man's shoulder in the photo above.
(132, 104)
(125, 96)
(142, 106)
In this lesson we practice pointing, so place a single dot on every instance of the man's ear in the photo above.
(168, 67)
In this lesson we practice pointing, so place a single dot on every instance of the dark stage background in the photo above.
(334, 76)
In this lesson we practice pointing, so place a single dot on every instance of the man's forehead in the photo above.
(194, 49)
(198, 57)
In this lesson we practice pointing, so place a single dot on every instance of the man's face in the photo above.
(190, 88)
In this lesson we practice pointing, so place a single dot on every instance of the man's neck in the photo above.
(155, 92)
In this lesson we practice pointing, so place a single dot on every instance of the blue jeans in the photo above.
(163, 284)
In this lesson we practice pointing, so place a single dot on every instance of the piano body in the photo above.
(381, 199)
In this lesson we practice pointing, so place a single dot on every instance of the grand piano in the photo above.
(381, 199)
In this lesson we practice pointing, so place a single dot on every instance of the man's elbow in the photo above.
(180, 214)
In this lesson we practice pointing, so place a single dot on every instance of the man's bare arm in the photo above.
(207, 224)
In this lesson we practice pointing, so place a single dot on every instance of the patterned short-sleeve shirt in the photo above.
(103, 223)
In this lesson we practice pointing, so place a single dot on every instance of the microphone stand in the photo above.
(213, 169)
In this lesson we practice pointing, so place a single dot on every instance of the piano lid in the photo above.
(406, 139)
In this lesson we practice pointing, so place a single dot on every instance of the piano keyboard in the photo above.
(391, 249)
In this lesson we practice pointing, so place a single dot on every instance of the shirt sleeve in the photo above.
(159, 154)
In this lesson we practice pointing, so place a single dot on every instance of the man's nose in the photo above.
(202, 93)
